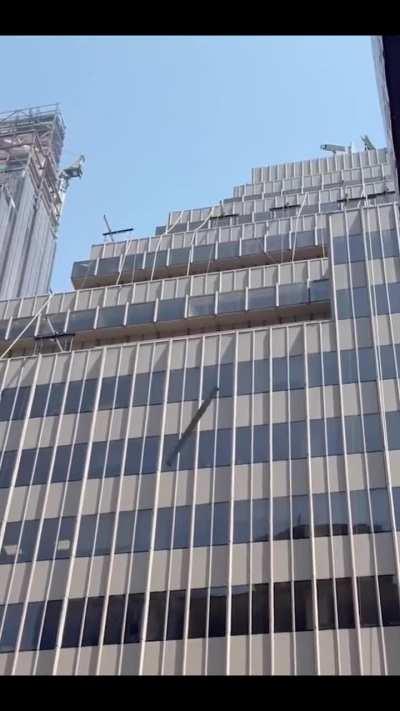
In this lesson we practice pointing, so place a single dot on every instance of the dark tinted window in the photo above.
(31, 631)
(360, 512)
(171, 309)
(39, 401)
(367, 601)
(157, 388)
(50, 624)
(133, 455)
(300, 517)
(339, 514)
(97, 460)
(262, 298)
(182, 527)
(134, 618)
(86, 535)
(73, 622)
(228, 249)
(110, 316)
(220, 524)
(124, 540)
(141, 389)
(104, 534)
(260, 609)
(281, 517)
(201, 305)
(81, 320)
(142, 535)
(240, 610)
(243, 445)
(197, 613)
(140, 313)
(326, 609)
(156, 616)
(244, 378)
(303, 605)
(114, 620)
(6, 468)
(389, 598)
(217, 616)
(150, 455)
(202, 526)
(176, 614)
(91, 628)
(229, 302)
(261, 520)
(344, 601)
(163, 529)
(282, 607)
(11, 623)
(321, 515)
(241, 522)
(261, 376)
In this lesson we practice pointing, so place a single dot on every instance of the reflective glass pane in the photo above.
(344, 601)
(326, 609)
(217, 613)
(367, 600)
(262, 298)
(176, 614)
(81, 320)
(261, 520)
(134, 618)
(201, 305)
(197, 613)
(171, 309)
(114, 620)
(156, 616)
(282, 607)
(259, 609)
(111, 316)
(292, 294)
(389, 599)
(240, 610)
(140, 313)
(91, 627)
(220, 524)
(303, 605)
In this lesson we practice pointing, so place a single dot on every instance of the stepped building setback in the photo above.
(200, 444)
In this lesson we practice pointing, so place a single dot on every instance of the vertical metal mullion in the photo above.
(251, 536)
(291, 541)
(271, 509)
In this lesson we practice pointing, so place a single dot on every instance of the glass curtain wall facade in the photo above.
(200, 473)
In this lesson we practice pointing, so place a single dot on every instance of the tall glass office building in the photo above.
(200, 444)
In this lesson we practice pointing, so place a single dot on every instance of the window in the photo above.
(73, 397)
(244, 378)
(282, 607)
(303, 605)
(356, 248)
(50, 624)
(86, 536)
(321, 515)
(157, 387)
(201, 305)
(390, 243)
(88, 396)
(175, 386)
(123, 397)
(73, 622)
(141, 389)
(125, 527)
(367, 601)
(171, 309)
(55, 400)
(349, 366)
(259, 609)
(142, 534)
(260, 520)
(339, 514)
(134, 618)
(360, 512)
(132, 262)
(326, 608)
(133, 455)
(97, 460)
(108, 266)
(91, 628)
(261, 443)
(335, 439)
(26, 467)
(264, 298)
(298, 440)
(163, 529)
(280, 441)
(389, 598)
(110, 316)
(104, 534)
(179, 256)
(39, 401)
(279, 374)
(182, 527)
(81, 320)
(217, 617)
(203, 253)
(393, 429)
(155, 620)
(176, 614)
(373, 433)
(344, 601)
(9, 548)
(320, 290)
(6, 468)
(317, 438)
(243, 445)
(289, 294)
(240, 610)
(252, 246)
(202, 525)
(281, 518)
(114, 620)
(227, 250)
(261, 376)
(150, 455)
(51, 323)
(31, 631)
(229, 302)
(197, 613)
(300, 517)
(387, 362)
(11, 623)
(140, 313)
(28, 541)
(220, 524)
(107, 392)
(396, 504)
(114, 458)
(296, 372)
(154, 260)
(241, 522)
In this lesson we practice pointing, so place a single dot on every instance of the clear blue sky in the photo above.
(168, 123)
